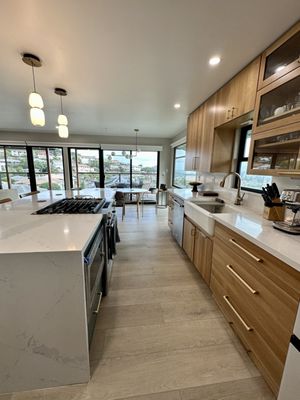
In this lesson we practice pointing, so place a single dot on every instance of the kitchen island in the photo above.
(43, 318)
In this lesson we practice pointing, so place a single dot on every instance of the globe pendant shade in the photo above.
(63, 131)
(62, 119)
(37, 116)
(35, 100)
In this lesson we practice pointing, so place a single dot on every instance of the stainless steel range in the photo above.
(100, 251)
(74, 206)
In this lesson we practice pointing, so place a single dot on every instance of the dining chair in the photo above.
(120, 202)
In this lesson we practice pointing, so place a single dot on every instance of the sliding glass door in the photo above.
(145, 170)
(128, 169)
(48, 168)
(14, 168)
(85, 167)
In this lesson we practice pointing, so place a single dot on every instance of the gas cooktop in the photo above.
(74, 206)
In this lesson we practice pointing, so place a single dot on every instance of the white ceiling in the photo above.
(126, 62)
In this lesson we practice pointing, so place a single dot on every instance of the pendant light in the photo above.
(135, 153)
(63, 130)
(37, 115)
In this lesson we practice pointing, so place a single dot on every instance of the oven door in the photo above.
(94, 261)
(111, 235)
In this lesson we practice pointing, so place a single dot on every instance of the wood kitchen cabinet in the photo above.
(194, 125)
(237, 97)
(259, 297)
(189, 231)
(208, 149)
(278, 104)
(281, 57)
(198, 247)
(276, 152)
(203, 246)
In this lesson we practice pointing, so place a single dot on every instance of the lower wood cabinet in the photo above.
(198, 247)
(259, 297)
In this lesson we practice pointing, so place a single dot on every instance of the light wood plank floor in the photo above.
(160, 335)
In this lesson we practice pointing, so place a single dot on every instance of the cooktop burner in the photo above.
(73, 206)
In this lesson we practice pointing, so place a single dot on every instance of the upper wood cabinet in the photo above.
(280, 58)
(276, 152)
(193, 139)
(237, 97)
(278, 104)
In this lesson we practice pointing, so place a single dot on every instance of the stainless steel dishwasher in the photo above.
(178, 216)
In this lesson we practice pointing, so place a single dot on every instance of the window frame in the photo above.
(46, 148)
(174, 161)
(101, 172)
(30, 173)
(241, 158)
(130, 173)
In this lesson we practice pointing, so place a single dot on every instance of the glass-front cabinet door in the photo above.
(278, 104)
(276, 154)
(281, 58)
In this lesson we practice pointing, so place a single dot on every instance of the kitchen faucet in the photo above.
(239, 198)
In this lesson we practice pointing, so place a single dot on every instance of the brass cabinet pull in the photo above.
(246, 326)
(193, 232)
(232, 111)
(228, 114)
(245, 251)
(229, 267)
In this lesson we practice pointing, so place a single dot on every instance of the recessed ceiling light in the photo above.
(177, 105)
(214, 60)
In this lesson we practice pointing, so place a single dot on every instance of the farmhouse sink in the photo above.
(202, 213)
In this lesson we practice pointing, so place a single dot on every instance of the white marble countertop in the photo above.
(22, 232)
(186, 194)
(260, 231)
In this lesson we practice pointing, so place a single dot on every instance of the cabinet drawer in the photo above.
(281, 274)
(259, 350)
(269, 309)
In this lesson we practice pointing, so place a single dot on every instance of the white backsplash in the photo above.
(252, 201)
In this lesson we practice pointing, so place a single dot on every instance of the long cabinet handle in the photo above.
(98, 306)
(229, 267)
(245, 251)
(246, 326)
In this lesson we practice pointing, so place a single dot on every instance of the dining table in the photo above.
(139, 193)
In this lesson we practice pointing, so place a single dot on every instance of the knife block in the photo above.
(274, 213)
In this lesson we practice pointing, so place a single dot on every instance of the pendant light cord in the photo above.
(61, 105)
(33, 77)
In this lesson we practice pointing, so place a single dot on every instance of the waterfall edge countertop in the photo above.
(23, 232)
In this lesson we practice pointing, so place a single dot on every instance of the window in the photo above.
(116, 168)
(252, 183)
(144, 170)
(181, 178)
(14, 172)
(85, 167)
(140, 171)
(48, 168)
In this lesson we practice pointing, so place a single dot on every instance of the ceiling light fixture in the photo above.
(37, 115)
(177, 106)
(214, 60)
(62, 120)
(134, 153)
